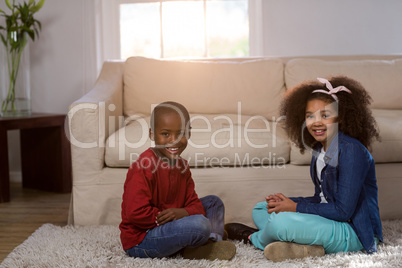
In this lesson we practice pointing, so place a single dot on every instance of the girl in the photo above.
(333, 119)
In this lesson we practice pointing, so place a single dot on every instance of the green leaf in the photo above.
(39, 24)
(13, 29)
(38, 6)
(3, 40)
(9, 4)
(32, 35)
(20, 21)
(25, 28)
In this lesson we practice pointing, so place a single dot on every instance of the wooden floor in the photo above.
(28, 210)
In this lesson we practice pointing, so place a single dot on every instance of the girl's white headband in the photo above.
(332, 91)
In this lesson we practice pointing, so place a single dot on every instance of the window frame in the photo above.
(107, 28)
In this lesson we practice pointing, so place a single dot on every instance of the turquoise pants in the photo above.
(302, 228)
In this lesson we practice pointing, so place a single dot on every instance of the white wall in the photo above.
(57, 57)
(328, 27)
(63, 63)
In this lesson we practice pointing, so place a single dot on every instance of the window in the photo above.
(155, 29)
(203, 28)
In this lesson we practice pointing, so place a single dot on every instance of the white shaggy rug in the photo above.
(99, 246)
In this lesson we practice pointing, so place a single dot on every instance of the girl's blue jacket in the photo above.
(350, 186)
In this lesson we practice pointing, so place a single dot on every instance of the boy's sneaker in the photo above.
(280, 251)
(222, 250)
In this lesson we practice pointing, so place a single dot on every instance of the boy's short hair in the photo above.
(170, 106)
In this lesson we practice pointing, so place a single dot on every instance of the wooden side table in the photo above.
(45, 153)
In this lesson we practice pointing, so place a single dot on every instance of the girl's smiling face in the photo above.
(322, 121)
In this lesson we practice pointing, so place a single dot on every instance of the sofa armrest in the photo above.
(93, 118)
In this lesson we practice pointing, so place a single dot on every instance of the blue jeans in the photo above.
(192, 231)
(302, 228)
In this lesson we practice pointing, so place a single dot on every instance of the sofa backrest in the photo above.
(204, 87)
(252, 87)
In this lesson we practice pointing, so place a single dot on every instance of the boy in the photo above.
(161, 212)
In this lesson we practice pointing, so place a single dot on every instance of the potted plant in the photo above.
(19, 26)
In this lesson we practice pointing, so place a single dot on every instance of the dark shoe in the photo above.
(225, 235)
(222, 250)
(238, 231)
(280, 251)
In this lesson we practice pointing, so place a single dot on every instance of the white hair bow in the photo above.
(332, 91)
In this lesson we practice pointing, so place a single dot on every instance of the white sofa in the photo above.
(237, 150)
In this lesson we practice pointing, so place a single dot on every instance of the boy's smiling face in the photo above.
(170, 134)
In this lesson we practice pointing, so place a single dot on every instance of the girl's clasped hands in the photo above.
(280, 203)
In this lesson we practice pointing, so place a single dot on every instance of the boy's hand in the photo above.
(280, 203)
(170, 214)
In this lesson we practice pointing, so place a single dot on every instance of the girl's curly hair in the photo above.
(354, 115)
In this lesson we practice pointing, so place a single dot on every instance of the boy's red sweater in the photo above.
(152, 186)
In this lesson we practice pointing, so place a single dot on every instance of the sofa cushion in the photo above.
(382, 79)
(216, 140)
(219, 87)
(388, 150)
(390, 147)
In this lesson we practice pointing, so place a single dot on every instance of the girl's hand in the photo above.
(273, 197)
(170, 214)
(280, 203)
